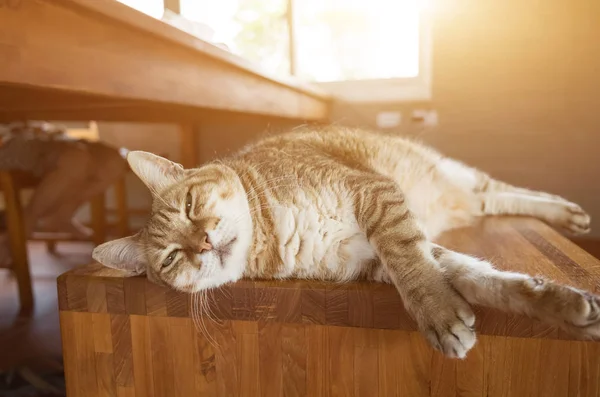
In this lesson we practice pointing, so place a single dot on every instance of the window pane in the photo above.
(340, 40)
(154, 8)
(254, 29)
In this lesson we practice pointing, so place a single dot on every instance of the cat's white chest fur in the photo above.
(317, 240)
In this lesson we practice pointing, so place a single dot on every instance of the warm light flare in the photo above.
(424, 5)
(358, 39)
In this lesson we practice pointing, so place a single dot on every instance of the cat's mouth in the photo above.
(224, 250)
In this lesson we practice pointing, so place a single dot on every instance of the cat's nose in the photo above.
(204, 245)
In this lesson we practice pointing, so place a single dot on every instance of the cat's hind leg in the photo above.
(574, 310)
(558, 213)
(499, 198)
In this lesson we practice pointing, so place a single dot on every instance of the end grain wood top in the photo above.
(518, 244)
(81, 59)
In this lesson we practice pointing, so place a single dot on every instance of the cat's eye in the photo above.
(169, 260)
(188, 204)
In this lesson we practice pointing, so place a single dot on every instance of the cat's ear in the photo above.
(123, 254)
(156, 172)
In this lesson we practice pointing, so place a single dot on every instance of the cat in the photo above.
(334, 203)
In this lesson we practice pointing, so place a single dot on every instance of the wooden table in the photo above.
(101, 60)
(127, 336)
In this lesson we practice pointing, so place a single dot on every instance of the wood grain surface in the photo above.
(126, 336)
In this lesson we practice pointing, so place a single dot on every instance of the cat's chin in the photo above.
(206, 284)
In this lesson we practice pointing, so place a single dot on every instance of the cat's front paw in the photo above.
(586, 316)
(580, 313)
(447, 322)
(574, 310)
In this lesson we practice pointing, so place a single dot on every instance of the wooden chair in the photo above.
(11, 184)
(15, 225)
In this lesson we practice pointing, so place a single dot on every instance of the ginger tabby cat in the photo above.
(340, 204)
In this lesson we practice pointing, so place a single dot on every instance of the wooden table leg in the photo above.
(189, 145)
(18, 241)
(98, 218)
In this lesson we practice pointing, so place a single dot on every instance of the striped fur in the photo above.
(340, 204)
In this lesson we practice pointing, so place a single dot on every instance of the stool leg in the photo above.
(51, 246)
(18, 241)
(121, 202)
(98, 215)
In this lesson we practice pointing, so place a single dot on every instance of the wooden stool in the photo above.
(98, 215)
(11, 183)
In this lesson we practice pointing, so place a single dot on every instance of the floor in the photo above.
(27, 340)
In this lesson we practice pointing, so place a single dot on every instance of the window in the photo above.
(360, 50)
(339, 40)
(364, 50)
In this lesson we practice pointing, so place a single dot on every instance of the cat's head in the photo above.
(200, 230)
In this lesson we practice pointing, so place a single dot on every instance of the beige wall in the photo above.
(516, 84)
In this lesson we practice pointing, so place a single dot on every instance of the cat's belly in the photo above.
(314, 245)
(439, 210)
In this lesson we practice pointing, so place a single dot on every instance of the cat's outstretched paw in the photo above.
(448, 324)
(574, 310)
(583, 319)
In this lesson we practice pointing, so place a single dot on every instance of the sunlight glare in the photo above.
(356, 39)
(336, 40)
